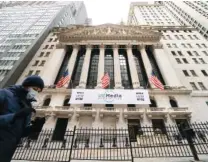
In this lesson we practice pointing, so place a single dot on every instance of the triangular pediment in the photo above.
(105, 32)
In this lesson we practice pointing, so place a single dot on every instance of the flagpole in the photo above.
(109, 83)
(71, 83)
(147, 84)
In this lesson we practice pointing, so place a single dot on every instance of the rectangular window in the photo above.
(41, 54)
(195, 37)
(198, 45)
(183, 45)
(196, 53)
(177, 37)
(173, 53)
(51, 47)
(193, 73)
(169, 37)
(184, 60)
(168, 45)
(46, 46)
(47, 54)
(182, 37)
(185, 73)
(180, 53)
(205, 52)
(37, 72)
(50, 40)
(202, 60)
(189, 45)
(193, 85)
(178, 61)
(36, 63)
(195, 60)
(190, 54)
(30, 73)
(207, 103)
(204, 72)
(201, 85)
(174, 45)
(204, 45)
(42, 63)
(190, 37)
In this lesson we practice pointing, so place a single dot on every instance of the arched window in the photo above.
(153, 102)
(66, 102)
(47, 101)
(173, 102)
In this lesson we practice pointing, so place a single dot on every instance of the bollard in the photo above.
(101, 142)
(189, 133)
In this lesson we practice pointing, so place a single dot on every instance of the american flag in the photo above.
(105, 80)
(154, 80)
(64, 79)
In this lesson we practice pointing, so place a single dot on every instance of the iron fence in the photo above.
(116, 144)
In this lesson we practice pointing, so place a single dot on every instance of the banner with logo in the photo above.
(107, 96)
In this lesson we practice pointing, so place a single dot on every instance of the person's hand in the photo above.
(23, 113)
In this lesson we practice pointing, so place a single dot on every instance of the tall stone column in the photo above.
(53, 65)
(72, 61)
(132, 67)
(117, 69)
(85, 68)
(101, 65)
(165, 66)
(147, 64)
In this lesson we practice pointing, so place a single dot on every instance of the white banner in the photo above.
(109, 96)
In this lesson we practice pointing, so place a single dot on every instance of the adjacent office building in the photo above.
(24, 25)
(192, 13)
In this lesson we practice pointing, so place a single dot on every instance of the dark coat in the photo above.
(12, 100)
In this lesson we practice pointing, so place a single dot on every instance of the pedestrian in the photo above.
(15, 114)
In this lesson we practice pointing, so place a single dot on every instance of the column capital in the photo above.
(76, 46)
(102, 45)
(60, 46)
(89, 46)
(129, 46)
(115, 46)
(142, 46)
(158, 46)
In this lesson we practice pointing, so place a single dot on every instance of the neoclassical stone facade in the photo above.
(141, 41)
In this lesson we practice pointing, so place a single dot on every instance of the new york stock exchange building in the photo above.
(106, 124)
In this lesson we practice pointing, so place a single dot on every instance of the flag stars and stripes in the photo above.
(155, 81)
(105, 80)
(64, 79)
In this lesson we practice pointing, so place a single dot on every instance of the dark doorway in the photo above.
(158, 126)
(60, 129)
(36, 128)
(134, 128)
(182, 124)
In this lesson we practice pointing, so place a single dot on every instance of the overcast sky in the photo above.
(108, 11)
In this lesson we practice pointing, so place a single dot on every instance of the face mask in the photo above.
(31, 94)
